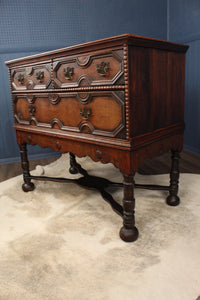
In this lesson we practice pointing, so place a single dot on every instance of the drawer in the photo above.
(91, 113)
(92, 69)
(36, 77)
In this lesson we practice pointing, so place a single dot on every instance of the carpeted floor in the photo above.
(62, 242)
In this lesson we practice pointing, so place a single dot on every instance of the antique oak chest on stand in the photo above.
(119, 100)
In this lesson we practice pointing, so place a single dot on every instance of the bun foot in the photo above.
(27, 187)
(129, 235)
(73, 170)
(173, 200)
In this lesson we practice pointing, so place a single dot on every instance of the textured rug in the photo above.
(62, 241)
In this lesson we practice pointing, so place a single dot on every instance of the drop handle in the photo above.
(32, 110)
(68, 72)
(103, 68)
(20, 78)
(40, 76)
(85, 113)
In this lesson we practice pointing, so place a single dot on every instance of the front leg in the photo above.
(72, 169)
(129, 232)
(173, 199)
(27, 185)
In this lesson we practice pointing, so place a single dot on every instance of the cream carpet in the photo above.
(62, 242)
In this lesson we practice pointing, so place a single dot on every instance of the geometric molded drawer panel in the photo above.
(92, 113)
(98, 68)
(37, 77)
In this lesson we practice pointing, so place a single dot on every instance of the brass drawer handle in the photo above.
(20, 78)
(40, 76)
(68, 72)
(32, 110)
(103, 68)
(85, 113)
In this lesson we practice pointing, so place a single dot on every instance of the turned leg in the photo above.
(72, 169)
(27, 185)
(128, 232)
(173, 199)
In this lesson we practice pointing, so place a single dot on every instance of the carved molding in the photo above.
(86, 127)
(84, 81)
(128, 165)
(54, 98)
(30, 85)
(96, 153)
(31, 98)
(83, 61)
(82, 89)
(56, 121)
(33, 121)
(126, 78)
(84, 97)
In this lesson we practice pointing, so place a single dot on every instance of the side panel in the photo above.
(156, 89)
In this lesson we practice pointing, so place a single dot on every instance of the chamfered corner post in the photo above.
(72, 169)
(129, 232)
(173, 198)
(27, 185)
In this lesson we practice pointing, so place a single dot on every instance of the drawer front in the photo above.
(91, 113)
(98, 68)
(35, 77)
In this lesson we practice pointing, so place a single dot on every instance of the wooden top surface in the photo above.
(102, 44)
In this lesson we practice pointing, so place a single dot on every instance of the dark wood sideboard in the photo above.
(118, 100)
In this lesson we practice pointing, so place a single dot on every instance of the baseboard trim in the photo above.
(11, 160)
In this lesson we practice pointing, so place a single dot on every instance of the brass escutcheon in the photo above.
(40, 76)
(20, 78)
(85, 113)
(32, 110)
(68, 72)
(103, 68)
